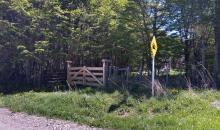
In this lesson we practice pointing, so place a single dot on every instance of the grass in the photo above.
(184, 110)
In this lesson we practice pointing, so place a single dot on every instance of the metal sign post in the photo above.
(153, 54)
(153, 74)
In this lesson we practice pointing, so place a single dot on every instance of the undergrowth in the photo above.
(184, 110)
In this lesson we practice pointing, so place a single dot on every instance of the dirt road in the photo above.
(22, 121)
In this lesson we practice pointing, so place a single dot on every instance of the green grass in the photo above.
(185, 110)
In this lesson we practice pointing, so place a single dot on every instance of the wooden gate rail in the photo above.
(92, 76)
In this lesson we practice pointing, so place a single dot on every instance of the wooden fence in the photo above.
(95, 76)
(91, 76)
(53, 78)
(116, 73)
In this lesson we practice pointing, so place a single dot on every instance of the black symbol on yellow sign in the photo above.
(154, 47)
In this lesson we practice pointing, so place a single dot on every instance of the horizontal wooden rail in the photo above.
(81, 73)
(89, 68)
(94, 76)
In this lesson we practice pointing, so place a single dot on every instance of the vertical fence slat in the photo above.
(84, 75)
(68, 72)
(74, 72)
(105, 71)
(127, 73)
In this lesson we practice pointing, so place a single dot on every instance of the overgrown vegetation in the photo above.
(38, 36)
(182, 110)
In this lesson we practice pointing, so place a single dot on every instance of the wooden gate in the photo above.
(91, 76)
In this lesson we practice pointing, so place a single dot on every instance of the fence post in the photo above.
(84, 75)
(127, 73)
(68, 72)
(110, 71)
(116, 72)
(105, 64)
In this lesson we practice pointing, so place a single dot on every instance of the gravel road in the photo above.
(23, 121)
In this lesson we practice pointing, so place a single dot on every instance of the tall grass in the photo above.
(185, 110)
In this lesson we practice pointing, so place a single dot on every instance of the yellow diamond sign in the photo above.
(153, 47)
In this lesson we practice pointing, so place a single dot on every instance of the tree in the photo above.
(37, 36)
(191, 21)
(217, 40)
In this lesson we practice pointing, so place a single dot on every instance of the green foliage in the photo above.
(170, 47)
(185, 110)
(45, 33)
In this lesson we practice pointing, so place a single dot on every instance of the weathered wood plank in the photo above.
(86, 75)
(89, 68)
(96, 74)
(76, 74)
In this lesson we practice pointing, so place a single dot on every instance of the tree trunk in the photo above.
(203, 51)
(142, 64)
(155, 22)
(187, 59)
(217, 40)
